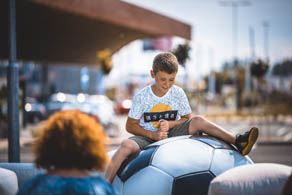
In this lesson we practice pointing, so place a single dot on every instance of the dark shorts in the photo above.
(180, 129)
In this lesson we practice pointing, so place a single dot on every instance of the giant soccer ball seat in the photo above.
(177, 166)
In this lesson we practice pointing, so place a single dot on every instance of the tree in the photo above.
(259, 68)
(182, 53)
(105, 59)
(283, 69)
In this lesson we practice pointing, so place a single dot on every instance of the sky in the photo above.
(212, 42)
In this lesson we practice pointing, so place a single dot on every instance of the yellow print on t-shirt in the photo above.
(159, 108)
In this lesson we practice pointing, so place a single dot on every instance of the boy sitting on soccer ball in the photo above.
(162, 110)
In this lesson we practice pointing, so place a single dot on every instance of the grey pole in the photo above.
(266, 25)
(212, 77)
(13, 90)
(252, 43)
(252, 59)
(234, 5)
(234, 30)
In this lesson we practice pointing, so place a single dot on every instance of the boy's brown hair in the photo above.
(165, 62)
(71, 139)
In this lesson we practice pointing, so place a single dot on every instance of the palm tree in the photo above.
(258, 70)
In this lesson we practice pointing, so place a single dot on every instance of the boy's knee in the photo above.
(196, 124)
(129, 146)
(197, 120)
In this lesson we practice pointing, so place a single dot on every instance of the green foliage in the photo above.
(283, 69)
(259, 68)
(233, 70)
(182, 53)
(232, 66)
(105, 59)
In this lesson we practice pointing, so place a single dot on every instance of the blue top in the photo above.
(58, 185)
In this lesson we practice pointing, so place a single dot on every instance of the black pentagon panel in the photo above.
(213, 142)
(192, 184)
(136, 163)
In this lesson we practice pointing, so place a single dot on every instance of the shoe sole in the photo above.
(252, 138)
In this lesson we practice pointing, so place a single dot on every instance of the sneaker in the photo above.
(245, 142)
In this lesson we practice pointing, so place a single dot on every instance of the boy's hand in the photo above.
(159, 135)
(163, 125)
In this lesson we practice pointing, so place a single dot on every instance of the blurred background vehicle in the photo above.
(56, 102)
(35, 111)
(123, 107)
(98, 106)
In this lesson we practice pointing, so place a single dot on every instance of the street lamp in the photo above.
(234, 5)
(266, 25)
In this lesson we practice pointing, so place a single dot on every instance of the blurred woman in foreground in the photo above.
(72, 145)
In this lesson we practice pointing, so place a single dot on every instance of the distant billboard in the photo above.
(84, 78)
(161, 44)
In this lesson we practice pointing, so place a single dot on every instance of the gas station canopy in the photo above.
(72, 31)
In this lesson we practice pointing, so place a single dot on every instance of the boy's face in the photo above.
(163, 80)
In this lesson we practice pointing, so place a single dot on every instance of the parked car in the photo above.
(98, 106)
(104, 108)
(57, 101)
(123, 107)
(35, 111)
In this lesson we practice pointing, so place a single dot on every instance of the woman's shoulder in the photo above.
(31, 184)
(57, 185)
(100, 184)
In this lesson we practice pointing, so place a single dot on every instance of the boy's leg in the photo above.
(244, 142)
(127, 147)
(201, 124)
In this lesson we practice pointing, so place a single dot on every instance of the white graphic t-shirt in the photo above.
(149, 108)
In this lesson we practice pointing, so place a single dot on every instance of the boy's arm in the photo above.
(182, 119)
(133, 127)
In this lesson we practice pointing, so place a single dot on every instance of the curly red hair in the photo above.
(71, 139)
